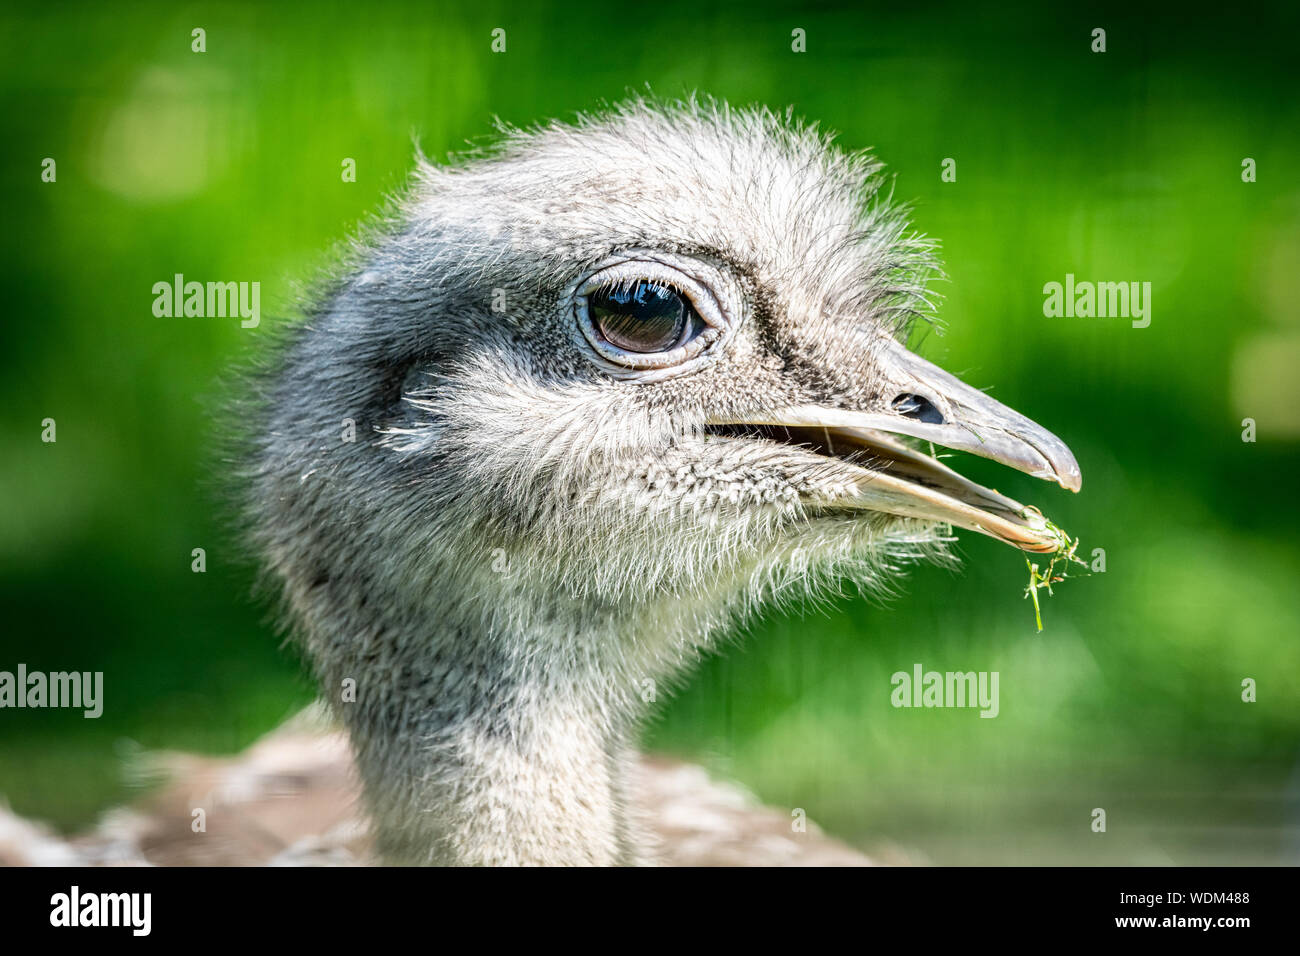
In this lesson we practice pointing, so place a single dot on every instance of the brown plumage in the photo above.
(292, 799)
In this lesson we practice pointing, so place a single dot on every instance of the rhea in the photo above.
(577, 405)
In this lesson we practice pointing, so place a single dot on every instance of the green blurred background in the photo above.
(1117, 166)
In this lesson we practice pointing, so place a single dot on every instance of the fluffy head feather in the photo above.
(520, 535)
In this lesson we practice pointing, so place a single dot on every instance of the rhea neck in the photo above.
(495, 724)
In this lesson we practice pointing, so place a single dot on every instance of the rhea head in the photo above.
(612, 384)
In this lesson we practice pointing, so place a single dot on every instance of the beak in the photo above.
(927, 403)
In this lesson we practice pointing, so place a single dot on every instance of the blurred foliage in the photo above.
(1117, 166)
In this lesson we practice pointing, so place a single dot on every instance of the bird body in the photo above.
(615, 385)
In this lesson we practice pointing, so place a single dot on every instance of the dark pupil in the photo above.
(640, 318)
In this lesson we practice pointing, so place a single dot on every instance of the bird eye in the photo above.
(643, 317)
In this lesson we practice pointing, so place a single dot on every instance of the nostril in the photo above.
(918, 407)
